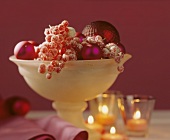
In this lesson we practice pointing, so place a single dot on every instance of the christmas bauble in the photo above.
(91, 52)
(105, 29)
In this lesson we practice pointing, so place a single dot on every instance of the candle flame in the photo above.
(90, 119)
(137, 115)
(112, 130)
(104, 109)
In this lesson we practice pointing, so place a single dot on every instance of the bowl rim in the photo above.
(14, 59)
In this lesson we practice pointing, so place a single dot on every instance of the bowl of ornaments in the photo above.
(70, 67)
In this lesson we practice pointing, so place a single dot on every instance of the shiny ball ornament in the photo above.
(24, 50)
(91, 52)
(106, 30)
(18, 105)
(21, 107)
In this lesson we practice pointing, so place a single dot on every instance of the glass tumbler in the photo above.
(136, 112)
(104, 108)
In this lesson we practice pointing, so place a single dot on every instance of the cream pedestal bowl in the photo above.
(78, 81)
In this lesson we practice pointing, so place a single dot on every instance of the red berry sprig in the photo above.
(57, 48)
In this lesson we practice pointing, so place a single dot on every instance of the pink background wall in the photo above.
(144, 27)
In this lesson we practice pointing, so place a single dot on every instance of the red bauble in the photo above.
(18, 105)
(122, 48)
(24, 50)
(21, 107)
(106, 30)
(35, 47)
(91, 52)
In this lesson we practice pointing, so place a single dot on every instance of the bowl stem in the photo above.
(73, 112)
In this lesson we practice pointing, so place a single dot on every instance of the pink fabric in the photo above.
(48, 128)
(61, 129)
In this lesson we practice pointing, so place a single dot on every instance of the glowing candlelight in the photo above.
(94, 126)
(104, 117)
(90, 119)
(137, 124)
(104, 109)
(112, 130)
(113, 135)
(137, 115)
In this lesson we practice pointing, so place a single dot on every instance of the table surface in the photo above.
(159, 125)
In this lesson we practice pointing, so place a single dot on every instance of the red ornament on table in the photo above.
(17, 105)
(13, 106)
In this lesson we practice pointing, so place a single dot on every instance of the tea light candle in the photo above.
(94, 126)
(104, 117)
(136, 124)
(113, 135)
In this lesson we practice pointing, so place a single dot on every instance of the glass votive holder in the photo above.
(136, 112)
(104, 108)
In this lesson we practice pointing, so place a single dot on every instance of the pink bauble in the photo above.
(91, 52)
(24, 50)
